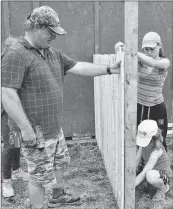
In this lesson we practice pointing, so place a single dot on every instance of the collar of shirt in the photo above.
(26, 44)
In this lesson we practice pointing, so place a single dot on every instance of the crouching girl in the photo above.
(157, 169)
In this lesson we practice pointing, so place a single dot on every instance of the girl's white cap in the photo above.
(146, 130)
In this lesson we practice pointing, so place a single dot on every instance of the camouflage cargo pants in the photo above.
(41, 164)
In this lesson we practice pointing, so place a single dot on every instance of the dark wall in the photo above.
(78, 18)
(158, 17)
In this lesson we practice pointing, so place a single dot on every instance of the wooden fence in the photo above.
(115, 113)
(109, 122)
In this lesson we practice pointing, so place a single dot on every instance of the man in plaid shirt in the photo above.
(32, 95)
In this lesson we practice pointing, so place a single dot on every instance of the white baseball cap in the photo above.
(151, 39)
(146, 130)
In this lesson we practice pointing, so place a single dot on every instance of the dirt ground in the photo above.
(143, 196)
(87, 177)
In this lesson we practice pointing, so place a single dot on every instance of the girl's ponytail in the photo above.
(158, 139)
(161, 54)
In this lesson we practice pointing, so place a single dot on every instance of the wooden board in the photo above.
(109, 123)
(131, 48)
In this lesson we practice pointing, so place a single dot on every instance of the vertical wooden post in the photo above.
(131, 48)
(97, 27)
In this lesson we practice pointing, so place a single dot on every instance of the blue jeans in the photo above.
(10, 157)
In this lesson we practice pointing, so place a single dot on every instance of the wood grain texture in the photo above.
(109, 123)
(131, 48)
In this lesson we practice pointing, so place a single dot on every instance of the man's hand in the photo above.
(115, 67)
(28, 137)
(119, 45)
(12, 105)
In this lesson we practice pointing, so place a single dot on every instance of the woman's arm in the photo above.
(150, 62)
(149, 166)
(138, 157)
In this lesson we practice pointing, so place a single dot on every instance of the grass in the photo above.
(143, 198)
(86, 176)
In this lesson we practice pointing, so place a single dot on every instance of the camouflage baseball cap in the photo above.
(46, 16)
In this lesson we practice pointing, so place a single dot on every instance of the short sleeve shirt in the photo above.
(150, 85)
(162, 164)
(38, 80)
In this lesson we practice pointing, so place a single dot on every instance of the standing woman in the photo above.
(10, 157)
(152, 72)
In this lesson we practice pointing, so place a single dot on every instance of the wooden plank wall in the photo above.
(109, 123)
(93, 27)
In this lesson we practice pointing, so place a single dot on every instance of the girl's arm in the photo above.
(149, 166)
(150, 62)
(138, 157)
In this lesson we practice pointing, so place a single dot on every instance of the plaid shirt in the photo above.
(39, 83)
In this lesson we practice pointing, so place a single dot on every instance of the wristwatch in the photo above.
(108, 70)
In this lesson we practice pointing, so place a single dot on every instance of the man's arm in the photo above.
(91, 69)
(14, 109)
(149, 166)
